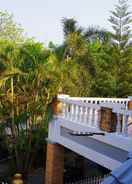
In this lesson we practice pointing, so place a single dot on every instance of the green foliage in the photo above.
(75, 77)
(70, 26)
(90, 62)
(104, 80)
(9, 30)
(29, 78)
(79, 51)
(121, 20)
(77, 66)
(92, 34)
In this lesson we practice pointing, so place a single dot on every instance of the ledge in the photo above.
(113, 139)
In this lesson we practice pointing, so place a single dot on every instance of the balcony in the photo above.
(77, 126)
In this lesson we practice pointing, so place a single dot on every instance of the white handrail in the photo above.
(101, 100)
(80, 103)
(123, 112)
(110, 102)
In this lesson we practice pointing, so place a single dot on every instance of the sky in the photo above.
(41, 19)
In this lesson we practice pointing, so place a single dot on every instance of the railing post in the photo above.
(56, 106)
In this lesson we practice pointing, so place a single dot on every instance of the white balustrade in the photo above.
(96, 100)
(80, 112)
(86, 111)
(122, 120)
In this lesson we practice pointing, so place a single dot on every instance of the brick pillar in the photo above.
(54, 164)
(56, 106)
(130, 105)
(108, 120)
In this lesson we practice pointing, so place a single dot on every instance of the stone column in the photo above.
(54, 164)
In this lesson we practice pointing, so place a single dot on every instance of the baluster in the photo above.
(79, 113)
(123, 123)
(126, 126)
(73, 112)
(63, 109)
(93, 117)
(90, 116)
(98, 115)
(68, 111)
(118, 127)
(87, 115)
(76, 113)
(83, 114)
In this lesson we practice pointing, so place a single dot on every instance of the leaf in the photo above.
(3, 80)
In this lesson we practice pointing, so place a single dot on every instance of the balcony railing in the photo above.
(87, 112)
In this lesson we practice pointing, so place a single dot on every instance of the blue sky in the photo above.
(42, 18)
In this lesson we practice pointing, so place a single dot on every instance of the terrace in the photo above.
(98, 129)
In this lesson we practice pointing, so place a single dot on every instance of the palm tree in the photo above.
(29, 79)
(70, 26)
(91, 33)
(96, 33)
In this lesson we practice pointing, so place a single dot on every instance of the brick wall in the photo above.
(54, 164)
(130, 105)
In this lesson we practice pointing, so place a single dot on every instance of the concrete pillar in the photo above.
(54, 164)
